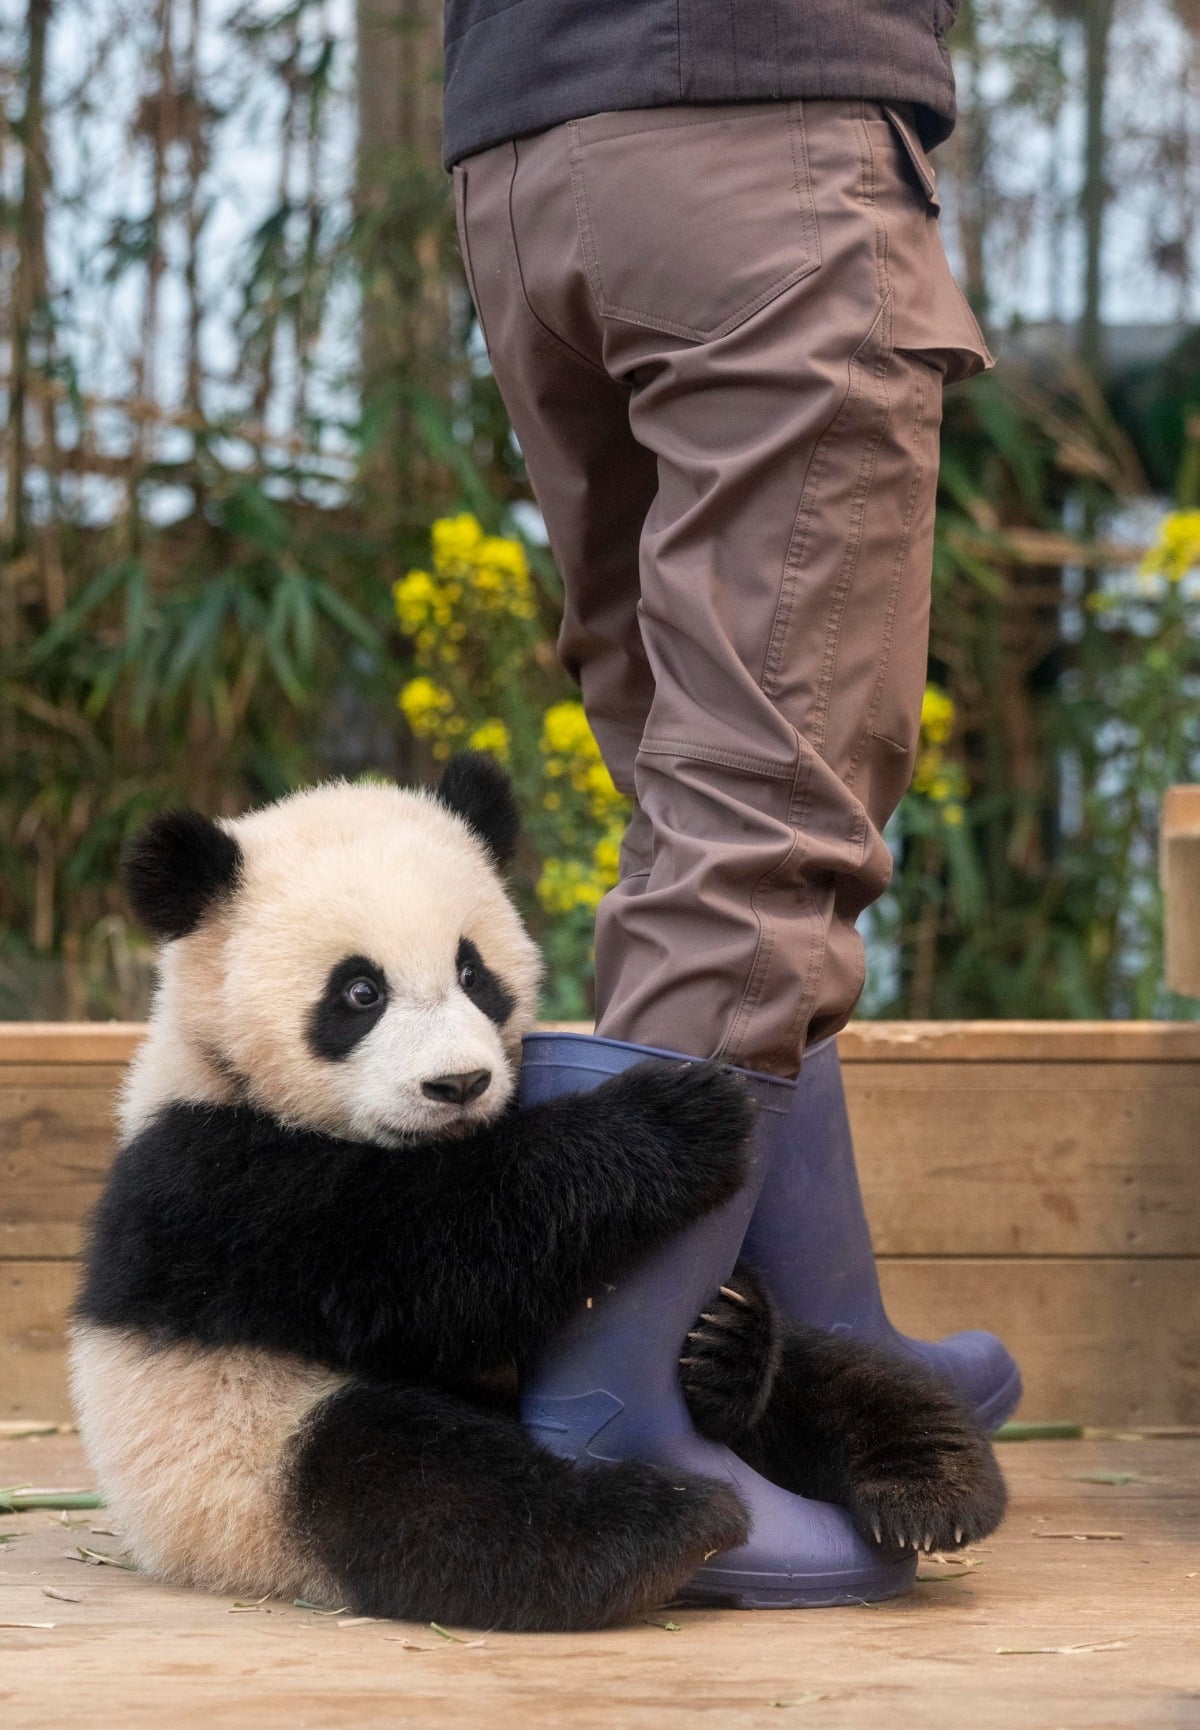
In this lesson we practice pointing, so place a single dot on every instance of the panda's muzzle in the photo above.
(457, 1089)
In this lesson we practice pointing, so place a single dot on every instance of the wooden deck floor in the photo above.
(1120, 1616)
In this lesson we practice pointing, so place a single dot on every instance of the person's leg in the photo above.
(594, 482)
(785, 556)
(785, 564)
(783, 458)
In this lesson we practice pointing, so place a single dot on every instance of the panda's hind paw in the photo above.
(943, 1497)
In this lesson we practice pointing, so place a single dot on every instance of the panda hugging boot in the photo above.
(820, 1417)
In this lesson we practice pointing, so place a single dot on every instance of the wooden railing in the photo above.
(1038, 1178)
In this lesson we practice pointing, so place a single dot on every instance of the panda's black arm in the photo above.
(222, 1226)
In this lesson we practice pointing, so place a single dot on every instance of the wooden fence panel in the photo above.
(1041, 1179)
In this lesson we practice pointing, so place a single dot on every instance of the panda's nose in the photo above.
(457, 1089)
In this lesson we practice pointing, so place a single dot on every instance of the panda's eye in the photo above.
(468, 976)
(361, 994)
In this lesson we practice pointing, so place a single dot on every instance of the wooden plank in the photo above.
(69, 1041)
(35, 1297)
(993, 1158)
(1103, 1341)
(128, 1654)
(1180, 873)
(1022, 1041)
(56, 1142)
(980, 1158)
(24, 1042)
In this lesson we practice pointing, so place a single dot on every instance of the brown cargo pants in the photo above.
(722, 333)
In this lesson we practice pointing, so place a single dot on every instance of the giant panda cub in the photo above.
(330, 1237)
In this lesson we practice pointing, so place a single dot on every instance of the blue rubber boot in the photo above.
(810, 1241)
(608, 1388)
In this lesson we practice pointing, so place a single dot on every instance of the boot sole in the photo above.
(724, 1588)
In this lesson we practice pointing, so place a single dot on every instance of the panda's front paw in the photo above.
(730, 1360)
(938, 1489)
(698, 1115)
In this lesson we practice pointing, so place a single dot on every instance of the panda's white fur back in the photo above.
(187, 1442)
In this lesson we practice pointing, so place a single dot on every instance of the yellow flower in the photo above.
(606, 856)
(565, 885)
(492, 737)
(506, 557)
(565, 733)
(427, 707)
(455, 540)
(1177, 549)
(929, 767)
(414, 597)
(937, 715)
(938, 777)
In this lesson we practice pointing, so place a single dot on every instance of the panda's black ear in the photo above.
(477, 789)
(178, 866)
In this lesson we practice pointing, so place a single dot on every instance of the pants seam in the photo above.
(898, 564)
(551, 335)
(858, 835)
(802, 777)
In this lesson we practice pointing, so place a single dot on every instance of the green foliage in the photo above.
(1075, 707)
(195, 670)
(214, 593)
(480, 631)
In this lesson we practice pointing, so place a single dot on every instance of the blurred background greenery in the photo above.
(264, 520)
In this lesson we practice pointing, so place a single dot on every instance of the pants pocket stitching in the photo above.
(688, 750)
(610, 308)
(559, 343)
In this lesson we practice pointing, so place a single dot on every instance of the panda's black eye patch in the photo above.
(486, 991)
(354, 998)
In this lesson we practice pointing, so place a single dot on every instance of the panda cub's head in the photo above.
(346, 959)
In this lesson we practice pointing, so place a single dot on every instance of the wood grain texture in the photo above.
(1022, 1041)
(1100, 1341)
(69, 1041)
(983, 1158)
(134, 1655)
(949, 1041)
(1179, 868)
(993, 1158)
(35, 1297)
(1039, 1179)
(56, 1142)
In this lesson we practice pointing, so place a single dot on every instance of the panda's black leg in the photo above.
(848, 1423)
(423, 1507)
